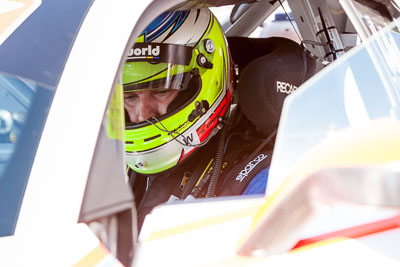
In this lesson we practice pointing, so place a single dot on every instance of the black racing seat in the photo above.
(270, 69)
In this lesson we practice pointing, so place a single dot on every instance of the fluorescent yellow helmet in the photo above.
(185, 51)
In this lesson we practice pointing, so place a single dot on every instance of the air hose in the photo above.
(218, 162)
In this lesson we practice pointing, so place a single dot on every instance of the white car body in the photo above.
(51, 228)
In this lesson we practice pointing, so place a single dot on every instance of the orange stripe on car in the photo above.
(202, 223)
(94, 257)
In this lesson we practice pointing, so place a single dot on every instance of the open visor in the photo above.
(157, 66)
(164, 77)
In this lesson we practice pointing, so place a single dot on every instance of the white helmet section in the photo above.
(196, 23)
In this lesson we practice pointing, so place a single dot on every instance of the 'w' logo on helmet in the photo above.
(188, 140)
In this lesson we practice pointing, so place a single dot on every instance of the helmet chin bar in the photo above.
(213, 132)
(144, 161)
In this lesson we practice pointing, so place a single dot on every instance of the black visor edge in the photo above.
(159, 52)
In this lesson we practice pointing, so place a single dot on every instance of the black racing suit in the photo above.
(237, 170)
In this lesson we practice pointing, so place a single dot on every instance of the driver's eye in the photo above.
(161, 94)
(131, 98)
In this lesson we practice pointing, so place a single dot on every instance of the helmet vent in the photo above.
(128, 142)
(152, 138)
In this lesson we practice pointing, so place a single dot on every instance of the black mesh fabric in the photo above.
(270, 69)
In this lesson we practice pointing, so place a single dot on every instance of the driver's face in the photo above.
(143, 105)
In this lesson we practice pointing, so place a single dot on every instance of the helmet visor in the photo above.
(160, 97)
(141, 76)
(157, 66)
(158, 86)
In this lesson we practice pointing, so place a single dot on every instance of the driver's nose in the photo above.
(144, 109)
(148, 108)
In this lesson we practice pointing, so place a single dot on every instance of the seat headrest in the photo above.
(266, 81)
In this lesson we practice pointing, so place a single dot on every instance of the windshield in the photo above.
(16, 96)
(23, 109)
(32, 60)
(360, 86)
